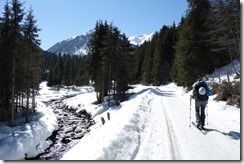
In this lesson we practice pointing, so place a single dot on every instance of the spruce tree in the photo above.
(110, 57)
(67, 76)
(95, 58)
(5, 63)
(192, 49)
(123, 67)
(157, 61)
(19, 60)
(32, 42)
(139, 55)
(107, 60)
(16, 15)
(148, 61)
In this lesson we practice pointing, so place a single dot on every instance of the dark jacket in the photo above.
(196, 94)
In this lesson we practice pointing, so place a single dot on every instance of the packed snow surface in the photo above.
(154, 125)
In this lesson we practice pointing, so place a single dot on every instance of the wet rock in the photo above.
(68, 130)
(78, 129)
(78, 136)
(66, 140)
(82, 112)
(72, 127)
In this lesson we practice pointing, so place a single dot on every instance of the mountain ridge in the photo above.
(77, 45)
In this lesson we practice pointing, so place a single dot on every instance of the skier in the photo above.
(201, 93)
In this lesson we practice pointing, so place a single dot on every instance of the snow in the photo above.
(77, 45)
(15, 141)
(153, 124)
(214, 77)
(140, 39)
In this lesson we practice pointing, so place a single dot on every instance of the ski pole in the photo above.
(207, 113)
(190, 112)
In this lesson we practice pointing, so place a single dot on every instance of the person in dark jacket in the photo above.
(201, 93)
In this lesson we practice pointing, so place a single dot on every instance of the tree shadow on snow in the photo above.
(232, 134)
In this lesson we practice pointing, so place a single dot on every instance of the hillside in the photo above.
(76, 45)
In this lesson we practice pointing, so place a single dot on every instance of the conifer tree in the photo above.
(108, 52)
(148, 62)
(111, 58)
(192, 49)
(16, 15)
(123, 74)
(5, 41)
(67, 76)
(19, 60)
(157, 63)
(139, 55)
(95, 58)
(50, 78)
(32, 42)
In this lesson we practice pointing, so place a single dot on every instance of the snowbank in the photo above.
(28, 140)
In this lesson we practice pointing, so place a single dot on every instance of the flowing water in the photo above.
(72, 127)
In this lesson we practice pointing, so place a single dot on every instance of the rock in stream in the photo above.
(72, 127)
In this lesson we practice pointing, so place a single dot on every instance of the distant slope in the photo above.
(74, 46)
(78, 45)
(140, 39)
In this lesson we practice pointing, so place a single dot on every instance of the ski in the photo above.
(201, 130)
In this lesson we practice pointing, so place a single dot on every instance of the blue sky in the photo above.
(62, 19)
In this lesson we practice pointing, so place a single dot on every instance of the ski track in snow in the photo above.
(159, 127)
(156, 127)
(190, 141)
(183, 142)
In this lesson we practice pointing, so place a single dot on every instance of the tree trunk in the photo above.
(33, 99)
(109, 84)
(13, 90)
(22, 99)
(16, 103)
(227, 73)
(28, 88)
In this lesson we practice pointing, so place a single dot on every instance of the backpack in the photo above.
(196, 90)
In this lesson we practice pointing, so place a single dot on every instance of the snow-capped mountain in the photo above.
(78, 45)
(75, 46)
(140, 39)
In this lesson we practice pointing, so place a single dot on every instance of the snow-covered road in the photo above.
(158, 141)
(218, 144)
(176, 140)
(154, 125)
